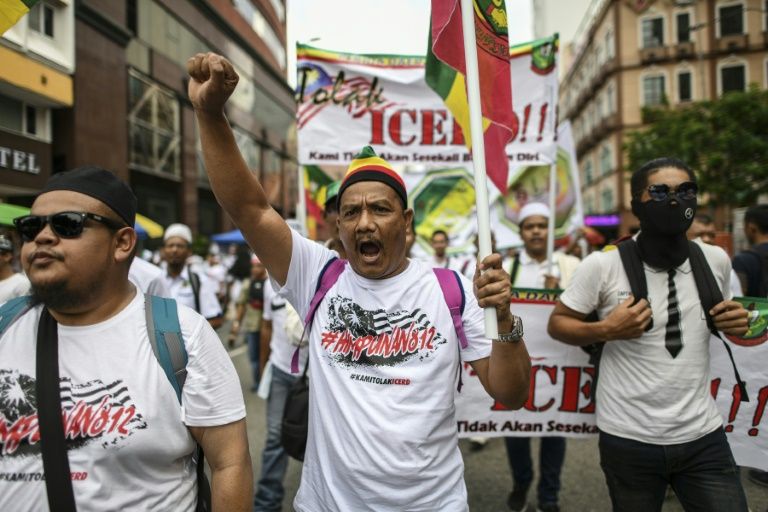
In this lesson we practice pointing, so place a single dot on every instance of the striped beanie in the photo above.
(367, 166)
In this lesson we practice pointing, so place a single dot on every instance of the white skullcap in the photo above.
(532, 209)
(180, 230)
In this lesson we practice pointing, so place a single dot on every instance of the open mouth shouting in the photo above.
(369, 250)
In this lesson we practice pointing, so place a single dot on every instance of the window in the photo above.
(733, 78)
(41, 19)
(684, 86)
(607, 197)
(606, 163)
(609, 50)
(653, 90)
(731, 20)
(610, 98)
(653, 32)
(11, 114)
(261, 26)
(153, 119)
(31, 120)
(132, 16)
(683, 27)
(588, 172)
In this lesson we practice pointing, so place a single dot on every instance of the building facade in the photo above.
(124, 66)
(635, 53)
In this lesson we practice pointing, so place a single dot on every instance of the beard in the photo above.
(58, 296)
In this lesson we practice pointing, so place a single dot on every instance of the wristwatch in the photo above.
(515, 335)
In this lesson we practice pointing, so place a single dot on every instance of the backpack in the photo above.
(295, 423)
(168, 346)
(706, 285)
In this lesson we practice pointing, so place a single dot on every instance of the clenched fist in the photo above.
(213, 80)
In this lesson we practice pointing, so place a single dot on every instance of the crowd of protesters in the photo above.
(147, 392)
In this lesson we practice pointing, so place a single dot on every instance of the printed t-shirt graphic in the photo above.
(384, 363)
(126, 432)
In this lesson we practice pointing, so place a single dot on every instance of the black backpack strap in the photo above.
(633, 267)
(710, 295)
(514, 270)
(194, 281)
(58, 480)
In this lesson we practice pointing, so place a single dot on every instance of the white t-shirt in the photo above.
(643, 392)
(382, 421)
(148, 277)
(15, 286)
(281, 349)
(532, 273)
(130, 447)
(181, 289)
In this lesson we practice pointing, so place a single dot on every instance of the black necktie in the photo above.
(672, 337)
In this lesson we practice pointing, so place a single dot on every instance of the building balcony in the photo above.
(654, 54)
(685, 50)
(732, 43)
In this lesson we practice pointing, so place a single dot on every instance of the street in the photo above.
(486, 473)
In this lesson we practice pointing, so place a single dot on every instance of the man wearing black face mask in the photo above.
(658, 422)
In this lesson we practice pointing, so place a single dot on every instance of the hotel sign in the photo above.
(17, 160)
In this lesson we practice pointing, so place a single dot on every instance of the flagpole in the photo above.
(552, 215)
(478, 149)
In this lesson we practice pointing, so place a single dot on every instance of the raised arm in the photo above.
(238, 191)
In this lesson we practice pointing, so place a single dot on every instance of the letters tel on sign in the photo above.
(21, 161)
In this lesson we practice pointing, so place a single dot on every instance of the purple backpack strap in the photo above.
(328, 277)
(453, 293)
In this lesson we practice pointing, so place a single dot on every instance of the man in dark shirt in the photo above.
(750, 265)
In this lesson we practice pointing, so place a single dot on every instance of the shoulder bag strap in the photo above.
(194, 281)
(453, 294)
(58, 479)
(710, 295)
(514, 270)
(328, 277)
(633, 266)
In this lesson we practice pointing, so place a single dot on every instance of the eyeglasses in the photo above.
(684, 192)
(64, 224)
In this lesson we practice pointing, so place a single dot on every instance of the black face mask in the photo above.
(662, 240)
(665, 218)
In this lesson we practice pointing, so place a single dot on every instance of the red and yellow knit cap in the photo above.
(367, 166)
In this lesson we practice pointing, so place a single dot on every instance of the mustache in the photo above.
(44, 254)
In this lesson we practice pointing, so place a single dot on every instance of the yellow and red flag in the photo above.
(11, 12)
(446, 69)
(316, 183)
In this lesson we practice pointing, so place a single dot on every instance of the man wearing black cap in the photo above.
(12, 284)
(383, 350)
(128, 442)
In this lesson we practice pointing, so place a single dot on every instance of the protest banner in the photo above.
(745, 422)
(559, 403)
(444, 199)
(347, 101)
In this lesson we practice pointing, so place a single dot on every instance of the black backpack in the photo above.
(709, 294)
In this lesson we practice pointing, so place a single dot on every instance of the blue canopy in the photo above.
(230, 237)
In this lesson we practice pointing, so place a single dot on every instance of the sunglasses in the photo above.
(685, 191)
(64, 224)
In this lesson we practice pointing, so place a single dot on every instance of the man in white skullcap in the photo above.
(194, 290)
(530, 269)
